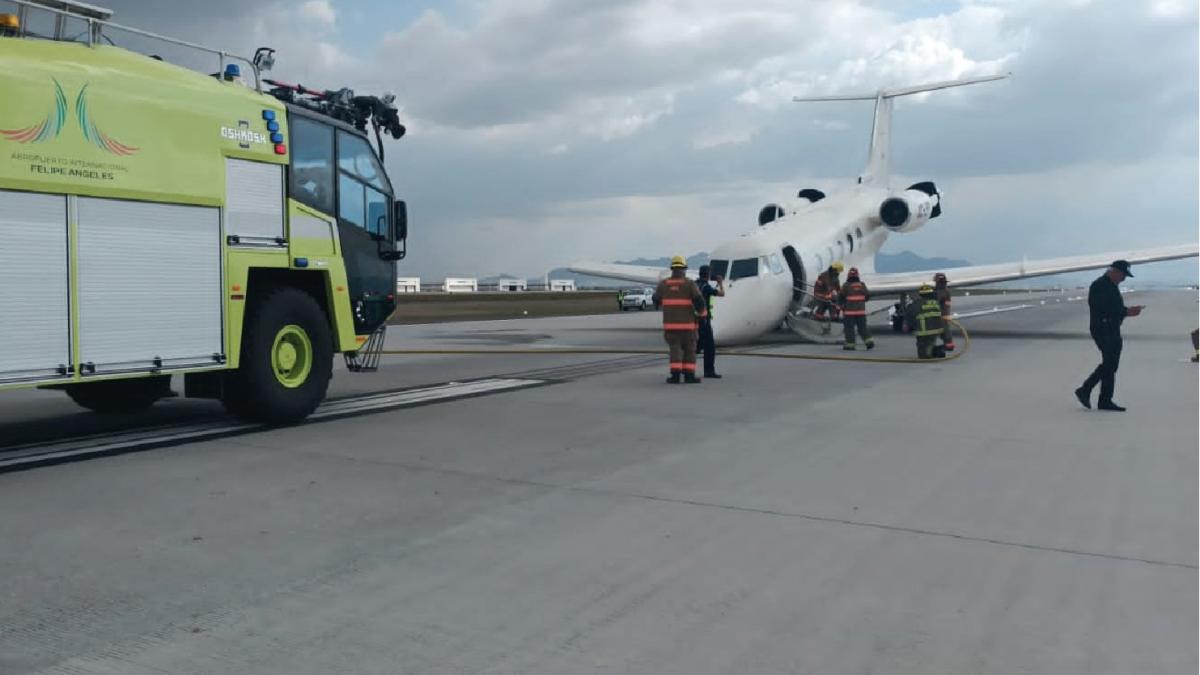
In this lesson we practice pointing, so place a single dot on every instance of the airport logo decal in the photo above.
(52, 125)
(93, 134)
(49, 128)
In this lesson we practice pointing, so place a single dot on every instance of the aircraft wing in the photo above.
(635, 273)
(907, 282)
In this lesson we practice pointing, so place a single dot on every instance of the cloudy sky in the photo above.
(546, 131)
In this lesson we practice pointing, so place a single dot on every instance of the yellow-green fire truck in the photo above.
(156, 220)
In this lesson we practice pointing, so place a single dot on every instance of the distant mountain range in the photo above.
(905, 261)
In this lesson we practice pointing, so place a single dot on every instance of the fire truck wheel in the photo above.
(286, 361)
(120, 396)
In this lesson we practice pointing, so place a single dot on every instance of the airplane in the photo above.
(768, 269)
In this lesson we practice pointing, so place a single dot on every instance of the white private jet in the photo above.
(767, 269)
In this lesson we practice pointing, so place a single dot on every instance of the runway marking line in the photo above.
(98, 445)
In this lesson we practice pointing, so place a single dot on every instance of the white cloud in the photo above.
(319, 11)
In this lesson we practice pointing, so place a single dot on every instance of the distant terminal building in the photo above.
(460, 285)
(511, 285)
(408, 285)
(561, 285)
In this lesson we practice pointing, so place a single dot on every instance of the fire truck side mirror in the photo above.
(401, 220)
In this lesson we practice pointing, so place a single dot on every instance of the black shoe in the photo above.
(870, 345)
(689, 378)
(673, 379)
(1083, 395)
(1109, 405)
(712, 376)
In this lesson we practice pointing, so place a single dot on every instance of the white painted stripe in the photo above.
(111, 444)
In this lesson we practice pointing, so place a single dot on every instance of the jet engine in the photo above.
(811, 194)
(912, 208)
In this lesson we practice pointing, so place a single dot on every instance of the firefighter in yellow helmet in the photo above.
(941, 288)
(854, 310)
(925, 318)
(682, 305)
(825, 292)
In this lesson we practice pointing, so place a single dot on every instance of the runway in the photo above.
(569, 514)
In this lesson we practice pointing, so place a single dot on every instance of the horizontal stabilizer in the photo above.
(903, 91)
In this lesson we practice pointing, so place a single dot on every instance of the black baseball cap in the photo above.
(1122, 265)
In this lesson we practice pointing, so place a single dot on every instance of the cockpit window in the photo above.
(746, 267)
(719, 268)
(776, 264)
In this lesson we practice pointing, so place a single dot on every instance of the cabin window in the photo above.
(312, 164)
(361, 186)
(746, 267)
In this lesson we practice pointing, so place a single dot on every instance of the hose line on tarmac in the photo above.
(658, 352)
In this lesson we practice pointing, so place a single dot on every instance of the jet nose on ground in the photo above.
(731, 320)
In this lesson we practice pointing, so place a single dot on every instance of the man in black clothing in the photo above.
(706, 342)
(1108, 312)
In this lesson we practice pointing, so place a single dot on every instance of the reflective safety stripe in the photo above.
(854, 312)
(674, 282)
(676, 302)
(689, 367)
(679, 326)
(856, 298)
(676, 366)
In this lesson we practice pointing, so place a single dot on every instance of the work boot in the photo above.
(690, 378)
(712, 376)
(673, 379)
(870, 344)
(1109, 405)
(848, 348)
(1084, 397)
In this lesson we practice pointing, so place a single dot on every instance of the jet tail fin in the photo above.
(877, 156)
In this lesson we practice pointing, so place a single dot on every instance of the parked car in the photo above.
(640, 299)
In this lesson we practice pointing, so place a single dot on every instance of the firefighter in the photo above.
(942, 290)
(707, 343)
(853, 300)
(825, 292)
(681, 304)
(925, 319)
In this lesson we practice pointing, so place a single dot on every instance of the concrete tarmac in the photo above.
(794, 517)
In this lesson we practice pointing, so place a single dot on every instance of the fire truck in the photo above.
(157, 220)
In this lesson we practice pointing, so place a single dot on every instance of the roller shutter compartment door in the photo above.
(35, 315)
(149, 286)
(254, 203)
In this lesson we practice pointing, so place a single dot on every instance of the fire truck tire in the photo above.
(120, 396)
(286, 360)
